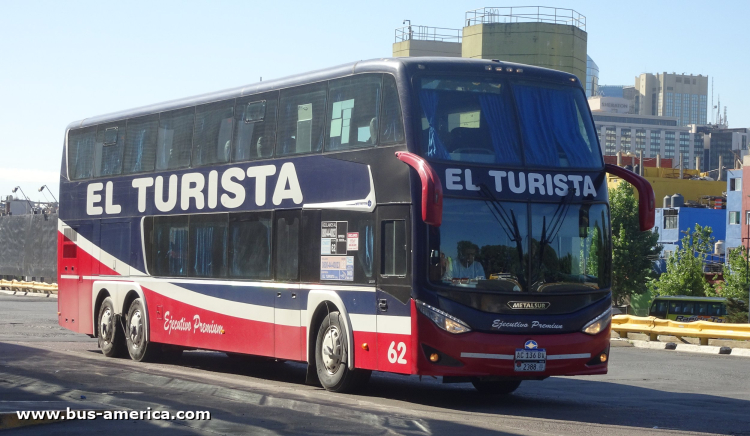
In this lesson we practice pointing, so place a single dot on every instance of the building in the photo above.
(592, 78)
(681, 96)
(723, 147)
(672, 224)
(667, 182)
(541, 36)
(615, 105)
(611, 90)
(734, 210)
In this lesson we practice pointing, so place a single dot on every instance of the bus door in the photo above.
(393, 319)
(287, 316)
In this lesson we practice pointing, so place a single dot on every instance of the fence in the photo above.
(27, 287)
(28, 246)
(526, 14)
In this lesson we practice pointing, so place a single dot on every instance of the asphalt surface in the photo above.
(44, 367)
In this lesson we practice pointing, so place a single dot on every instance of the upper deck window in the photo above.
(556, 126)
(109, 147)
(468, 120)
(477, 119)
(255, 127)
(301, 119)
(353, 104)
(81, 153)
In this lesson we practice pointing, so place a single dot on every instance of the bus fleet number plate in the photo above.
(530, 360)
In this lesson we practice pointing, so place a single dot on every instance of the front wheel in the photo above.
(110, 335)
(495, 387)
(331, 349)
(139, 348)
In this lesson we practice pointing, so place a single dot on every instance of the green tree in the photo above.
(735, 276)
(633, 251)
(684, 275)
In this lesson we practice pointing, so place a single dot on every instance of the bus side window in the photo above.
(170, 246)
(81, 153)
(353, 104)
(391, 122)
(675, 307)
(287, 245)
(249, 246)
(255, 127)
(175, 140)
(212, 138)
(208, 245)
(301, 120)
(108, 149)
(393, 258)
(140, 144)
(702, 309)
(688, 307)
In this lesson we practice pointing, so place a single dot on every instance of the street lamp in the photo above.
(24, 196)
(48, 190)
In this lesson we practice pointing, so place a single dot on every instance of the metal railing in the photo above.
(705, 330)
(427, 33)
(525, 14)
(28, 287)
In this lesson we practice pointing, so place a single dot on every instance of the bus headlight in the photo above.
(449, 323)
(599, 323)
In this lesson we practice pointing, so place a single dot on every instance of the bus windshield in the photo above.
(521, 247)
(497, 121)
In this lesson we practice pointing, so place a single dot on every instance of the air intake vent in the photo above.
(70, 234)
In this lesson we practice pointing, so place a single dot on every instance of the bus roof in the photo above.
(383, 65)
(690, 298)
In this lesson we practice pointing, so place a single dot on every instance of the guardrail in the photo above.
(704, 330)
(27, 287)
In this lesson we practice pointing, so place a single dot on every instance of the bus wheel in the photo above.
(495, 387)
(139, 348)
(330, 358)
(111, 337)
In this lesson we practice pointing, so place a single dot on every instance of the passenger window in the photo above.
(140, 144)
(208, 245)
(212, 139)
(359, 237)
(688, 308)
(393, 258)
(250, 246)
(109, 147)
(81, 153)
(675, 307)
(170, 246)
(255, 127)
(353, 104)
(175, 139)
(702, 309)
(287, 246)
(391, 124)
(301, 120)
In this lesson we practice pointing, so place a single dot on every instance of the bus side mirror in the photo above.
(646, 202)
(432, 188)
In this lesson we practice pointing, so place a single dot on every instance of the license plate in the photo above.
(530, 360)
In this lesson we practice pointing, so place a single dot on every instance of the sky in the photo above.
(64, 61)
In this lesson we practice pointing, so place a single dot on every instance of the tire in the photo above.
(139, 348)
(109, 331)
(495, 387)
(331, 349)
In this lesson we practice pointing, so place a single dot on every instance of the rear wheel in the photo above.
(110, 334)
(495, 387)
(331, 348)
(139, 348)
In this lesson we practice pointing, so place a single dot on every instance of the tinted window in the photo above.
(391, 124)
(250, 246)
(359, 235)
(208, 250)
(140, 144)
(393, 259)
(255, 127)
(212, 139)
(170, 246)
(175, 138)
(109, 147)
(287, 245)
(675, 307)
(115, 240)
(301, 119)
(81, 153)
(353, 104)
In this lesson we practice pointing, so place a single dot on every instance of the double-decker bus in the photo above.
(430, 216)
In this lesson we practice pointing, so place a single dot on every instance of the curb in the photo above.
(28, 294)
(10, 420)
(687, 348)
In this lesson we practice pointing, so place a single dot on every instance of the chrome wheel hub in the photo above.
(136, 329)
(332, 349)
(105, 328)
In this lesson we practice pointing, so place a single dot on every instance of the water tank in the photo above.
(667, 201)
(719, 247)
(678, 200)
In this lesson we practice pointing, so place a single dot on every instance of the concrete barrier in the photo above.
(654, 327)
(28, 287)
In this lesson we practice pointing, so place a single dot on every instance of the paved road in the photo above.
(646, 392)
